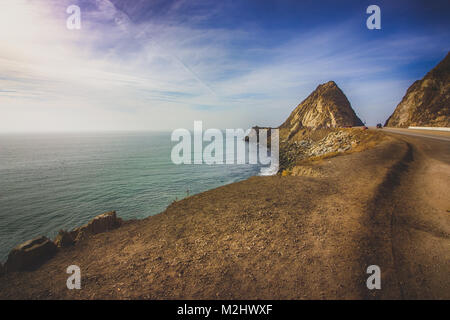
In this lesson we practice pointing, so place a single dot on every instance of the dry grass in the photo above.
(306, 171)
(368, 140)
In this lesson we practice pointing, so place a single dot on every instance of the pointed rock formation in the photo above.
(427, 101)
(325, 107)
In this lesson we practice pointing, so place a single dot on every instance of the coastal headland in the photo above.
(309, 235)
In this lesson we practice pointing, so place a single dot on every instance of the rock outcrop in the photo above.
(30, 254)
(254, 134)
(64, 239)
(335, 141)
(101, 223)
(427, 101)
(325, 107)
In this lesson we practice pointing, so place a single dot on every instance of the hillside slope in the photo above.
(427, 101)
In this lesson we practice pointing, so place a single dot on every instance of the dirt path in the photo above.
(420, 206)
(278, 237)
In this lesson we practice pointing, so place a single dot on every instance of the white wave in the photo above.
(268, 171)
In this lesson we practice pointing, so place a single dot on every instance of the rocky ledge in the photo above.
(334, 141)
(32, 253)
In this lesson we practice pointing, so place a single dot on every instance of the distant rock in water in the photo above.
(427, 101)
(254, 134)
(325, 107)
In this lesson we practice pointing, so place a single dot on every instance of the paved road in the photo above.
(437, 135)
(420, 208)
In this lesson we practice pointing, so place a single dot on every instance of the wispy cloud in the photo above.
(135, 69)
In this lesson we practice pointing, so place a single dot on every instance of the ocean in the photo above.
(59, 181)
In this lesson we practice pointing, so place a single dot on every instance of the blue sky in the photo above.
(160, 65)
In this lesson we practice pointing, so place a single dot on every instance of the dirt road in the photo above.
(293, 237)
(419, 203)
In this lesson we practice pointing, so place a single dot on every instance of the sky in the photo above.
(160, 65)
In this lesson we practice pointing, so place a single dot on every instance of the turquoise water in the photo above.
(50, 182)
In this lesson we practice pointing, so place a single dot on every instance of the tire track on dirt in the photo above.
(382, 218)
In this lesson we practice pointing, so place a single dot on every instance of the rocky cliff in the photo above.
(427, 101)
(325, 107)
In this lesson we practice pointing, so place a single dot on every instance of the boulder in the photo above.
(64, 239)
(30, 254)
(2, 269)
(101, 223)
